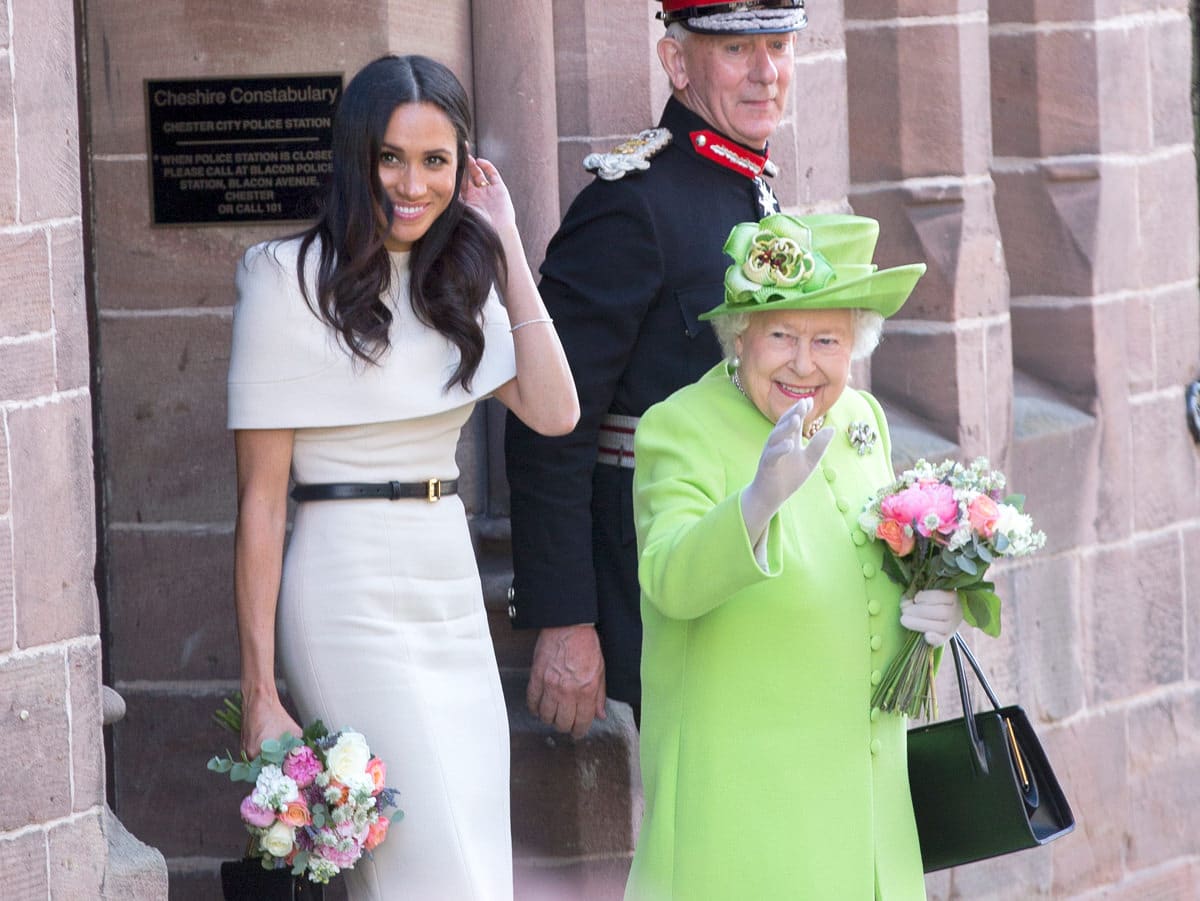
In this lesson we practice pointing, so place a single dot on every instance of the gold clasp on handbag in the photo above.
(1016, 751)
(433, 490)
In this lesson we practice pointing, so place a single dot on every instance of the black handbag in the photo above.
(981, 784)
(246, 880)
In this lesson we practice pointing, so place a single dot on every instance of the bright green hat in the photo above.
(820, 262)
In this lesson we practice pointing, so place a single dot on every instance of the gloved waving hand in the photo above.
(786, 463)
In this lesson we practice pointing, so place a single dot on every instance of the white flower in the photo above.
(1017, 527)
(322, 870)
(347, 760)
(869, 519)
(273, 789)
(278, 840)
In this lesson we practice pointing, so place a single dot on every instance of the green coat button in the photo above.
(874, 714)
(876, 642)
(830, 475)
(842, 505)
(876, 746)
(869, 570)
(860, 538)
(874, 607)
(876, 677)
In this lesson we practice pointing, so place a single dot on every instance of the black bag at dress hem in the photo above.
(246, 880)
(981, 784)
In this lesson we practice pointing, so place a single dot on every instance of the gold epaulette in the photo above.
(632, 154)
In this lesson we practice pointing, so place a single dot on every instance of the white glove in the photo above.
(786, 463)
(936, 613)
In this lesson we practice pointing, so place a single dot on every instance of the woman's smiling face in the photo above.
(418, 160)
(789, 354)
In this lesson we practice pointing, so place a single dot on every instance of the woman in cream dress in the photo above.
(359, 351)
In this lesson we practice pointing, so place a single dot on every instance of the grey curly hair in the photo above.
(867, 325)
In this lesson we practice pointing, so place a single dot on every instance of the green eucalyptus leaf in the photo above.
(242, 772)
(967, 565)
(299, 862)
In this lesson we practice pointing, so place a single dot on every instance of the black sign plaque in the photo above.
(253, 149)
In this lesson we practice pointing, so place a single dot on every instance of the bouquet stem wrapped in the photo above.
(942, 526)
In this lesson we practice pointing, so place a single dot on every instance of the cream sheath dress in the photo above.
(381, 624)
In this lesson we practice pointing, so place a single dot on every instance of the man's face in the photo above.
(738, 83)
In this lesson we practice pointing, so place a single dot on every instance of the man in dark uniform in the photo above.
(637, 259)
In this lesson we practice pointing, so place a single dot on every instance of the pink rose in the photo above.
(378, 773)
(341, 859)
(898, 537)
(376, 833)
(983, 513)
(302, 766)
(255, 815)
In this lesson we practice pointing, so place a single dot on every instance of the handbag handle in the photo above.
(958, 647)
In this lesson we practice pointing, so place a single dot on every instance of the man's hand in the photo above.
(566, 679)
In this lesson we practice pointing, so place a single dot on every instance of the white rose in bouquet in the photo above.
(347, 760)
(278, 840)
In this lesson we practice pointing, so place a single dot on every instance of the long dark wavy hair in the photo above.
(453, 265)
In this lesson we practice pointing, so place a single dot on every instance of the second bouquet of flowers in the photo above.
(318, 803)
(942, 526)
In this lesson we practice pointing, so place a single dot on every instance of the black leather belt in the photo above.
(430, 490)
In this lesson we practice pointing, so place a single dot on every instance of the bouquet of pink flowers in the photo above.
(318, 802)
(942, 526)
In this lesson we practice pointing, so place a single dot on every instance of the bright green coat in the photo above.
(767, 775)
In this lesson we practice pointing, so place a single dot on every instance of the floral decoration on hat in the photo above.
(773, 259)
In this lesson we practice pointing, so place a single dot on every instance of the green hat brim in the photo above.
(883, 291)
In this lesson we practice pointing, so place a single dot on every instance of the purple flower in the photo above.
(302, 766)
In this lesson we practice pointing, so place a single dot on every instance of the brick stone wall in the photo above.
(1039, 154)
(51, 824)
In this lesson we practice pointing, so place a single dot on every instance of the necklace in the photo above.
(809, 430)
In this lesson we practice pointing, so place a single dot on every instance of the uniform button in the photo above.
(830, 475)
(512, 593)
(874, 714)
(874, 607)
(842, 505)
(876, 642)
(876, 677)
(876, 746)
(860, 538)
(869, 570)
(512, 611)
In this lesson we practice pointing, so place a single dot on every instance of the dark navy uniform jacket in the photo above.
(632, 266)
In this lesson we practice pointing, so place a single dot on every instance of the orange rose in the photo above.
(296, 814)
(898, 537)
(376, 833)
(378, 773)
(336, 793)
(983, 513)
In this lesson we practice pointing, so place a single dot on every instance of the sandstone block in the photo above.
(1133, 607)
(160, 750)
(576, 798)
(72, 352)
(8, 140)
(164, 400)
(27, 369)
(1045, 606)
(1089, 758)
(1168, 247)
(7, 599)
(1164, 775)
(1176, 337)
(1054, 222)
(951, 226)
(1122, 81)
(77, 854)
(898, 9)
(1165, 491)
(1014, 83)
(602, 71)
(33, 699)
(23, 863)
(337, 36)
(178, 587)
(54, 538)
(1191, 593)
(87, 739)
(907, 369)
(25, 303)
(141, 267)
(46, 105)
(814, 165)
(1171, 102)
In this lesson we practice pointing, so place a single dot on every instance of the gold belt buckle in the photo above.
(433, 490)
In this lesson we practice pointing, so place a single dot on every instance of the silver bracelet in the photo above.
(530, 322)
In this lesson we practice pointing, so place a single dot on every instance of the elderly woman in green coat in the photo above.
(768, 620)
